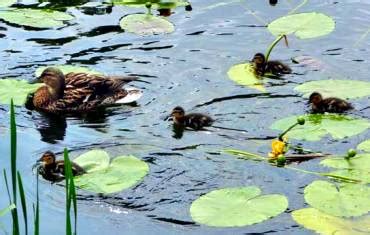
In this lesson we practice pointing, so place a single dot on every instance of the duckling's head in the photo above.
(47, 159)
(55, 81)
(315, 98)
(259, 59)
(178, 112)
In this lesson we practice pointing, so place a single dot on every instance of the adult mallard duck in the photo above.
(195, 121)
(329, 105)
(53, 170)
(80, 92)
(275, 67)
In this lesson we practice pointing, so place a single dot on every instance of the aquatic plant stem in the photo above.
(297, 7)
(273, 44)
(286, 131)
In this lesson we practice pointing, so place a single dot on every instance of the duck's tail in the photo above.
(133, 94)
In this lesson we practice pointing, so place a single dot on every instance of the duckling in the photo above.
(80, 92)
(272, 66)
(330, 105)
(53, 170)
(195, 121)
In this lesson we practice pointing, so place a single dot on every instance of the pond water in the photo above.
(188, 68)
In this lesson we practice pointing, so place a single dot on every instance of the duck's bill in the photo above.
(36, 80)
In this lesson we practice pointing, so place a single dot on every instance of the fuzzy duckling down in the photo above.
(81, 92)
(52, 170)
(275, 67)
(196, 121)
(329, 105)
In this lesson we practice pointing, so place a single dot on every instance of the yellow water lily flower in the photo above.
(277, 148)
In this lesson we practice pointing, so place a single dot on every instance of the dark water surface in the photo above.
(187, 68)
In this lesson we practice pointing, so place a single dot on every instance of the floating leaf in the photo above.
(320, 125)
(146, 24)
(66, 69)
(360, 161)
(16, 90)
(123, 172)
(244, 74)
(231, 207)
(325, 224)
(303, 25)
(155, 3)
(6, 3)
(365, 146)
(345, 89)
(345, 200)
(362, 175)
(35, 18)
(7, 209)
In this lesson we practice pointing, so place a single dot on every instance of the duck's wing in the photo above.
(337, 105)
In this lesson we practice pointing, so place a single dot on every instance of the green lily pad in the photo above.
(345, 200)
(362, 175)
(325, 224)
(360, 161)
(66, 69)
(35, 18)
(101, 177)
(232, 207)
(155, 3)
(244, 74)
(364, 146)
(6, 3)
(145, 24)
(303, 25)
(7, 209)
(319, 125)
(345, 89)
(16, 90)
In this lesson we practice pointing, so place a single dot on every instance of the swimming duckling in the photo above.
(80, 92)
(272, 66)
(53, 170)
(330, 105)
(195, 121)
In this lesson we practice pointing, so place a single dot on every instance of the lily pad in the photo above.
(16, 89)
(319, 125)
(66, 69)
(325, 224)
(345, 200)
(303, 25)
(35, 18)
(364, 146)
(362, 175)
(155, 3)
(231, 207)
(244, 74)
(360, 161)
(101, 177)
(345, 89)
(6, 3)
(146, 24)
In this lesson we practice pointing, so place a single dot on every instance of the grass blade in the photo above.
(6, 209)
(37, 209)
(68, 175)
(23, 201)
(7, 186)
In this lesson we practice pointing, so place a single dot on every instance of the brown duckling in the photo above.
(272, 66)
(53, 170)
(330, 105)
(195, 121)
(81, 92)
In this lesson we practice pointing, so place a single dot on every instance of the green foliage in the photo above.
(34, 18)
(345, 89)
(344, 200)
(104, 177)
(7, 209)
(303, 25)
(154, 3)
(319, 125)
(244, 75)
(325, 224)
(66, 69)
(146, 24)
(16, 90)
(6, 3)
(359, 162)
(364, 146)
(361, 175)
(23, 201)
(70, 194)
(232, 207)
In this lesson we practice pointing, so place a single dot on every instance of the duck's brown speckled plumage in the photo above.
(272, 66)
(329, 105)
(78, 92)
(196, 121)
(53, 170)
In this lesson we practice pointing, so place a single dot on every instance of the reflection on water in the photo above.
(51, 127)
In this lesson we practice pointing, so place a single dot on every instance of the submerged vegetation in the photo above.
(337, 198)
